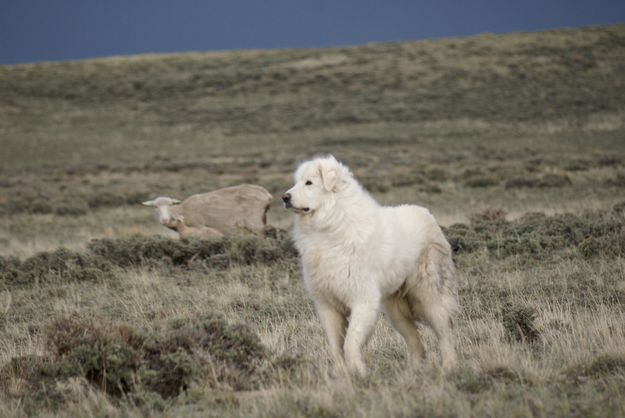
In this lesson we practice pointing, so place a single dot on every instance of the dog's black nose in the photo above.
(286, 197)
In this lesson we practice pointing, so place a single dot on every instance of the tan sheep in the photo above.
(231, 210)
(201, 232)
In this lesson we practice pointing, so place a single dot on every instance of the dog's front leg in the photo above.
(334, 324)
(362, 321)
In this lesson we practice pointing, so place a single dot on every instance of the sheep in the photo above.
(201, 232)
(231, 210)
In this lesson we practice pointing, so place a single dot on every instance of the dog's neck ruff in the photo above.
(349, 216)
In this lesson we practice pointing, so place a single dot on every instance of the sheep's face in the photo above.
(316, 183)
(162, 212)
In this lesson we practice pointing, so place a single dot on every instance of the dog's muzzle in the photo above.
(286, 198)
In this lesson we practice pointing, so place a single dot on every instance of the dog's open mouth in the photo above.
(288, 205)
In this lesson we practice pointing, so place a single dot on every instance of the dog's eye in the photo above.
(308, 183)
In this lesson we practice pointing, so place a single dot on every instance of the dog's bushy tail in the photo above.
(441, 268)
(436, 278)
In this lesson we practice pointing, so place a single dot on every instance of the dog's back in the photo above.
(413, 225)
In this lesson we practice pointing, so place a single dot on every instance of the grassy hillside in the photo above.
(516, 143)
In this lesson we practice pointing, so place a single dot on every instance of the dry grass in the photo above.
(576, 359)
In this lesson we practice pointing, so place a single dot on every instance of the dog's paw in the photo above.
(358, 369)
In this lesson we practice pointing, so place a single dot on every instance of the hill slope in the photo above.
(567, 76)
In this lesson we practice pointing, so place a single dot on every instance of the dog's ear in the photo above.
(329, 174)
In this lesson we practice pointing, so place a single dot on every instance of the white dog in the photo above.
(359, 257)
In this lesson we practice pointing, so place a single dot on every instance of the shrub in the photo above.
(519, 323)
(476, 177)
(462, 238)
(375, 184)
(70, 207)
(545, 181)
(436, 174)
(61, 264)
(537, 235)
(489, 215)
(106, 356)
(406, 180)
(593, 234)
(9, 269)
(520, 182)
(470, 382)
(173, 356)
(108, 199)
(618, 180)
(610, 245)
(103, 255)
(31, 204)
(604, 160)
(219, 253)
(121, 361)
(502, 374)
(578, 164)
(554, 180)
(428, 187)
(604, 365)
(619, 208)
(21, 375)
(481, 181)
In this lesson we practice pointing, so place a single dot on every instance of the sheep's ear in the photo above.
(328, 173)
(175, 201)
(149, 203)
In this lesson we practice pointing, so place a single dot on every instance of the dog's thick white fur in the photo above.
(359, 258)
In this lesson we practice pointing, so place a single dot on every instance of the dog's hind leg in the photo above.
(439, 318)
(399, 315)
(432, 297)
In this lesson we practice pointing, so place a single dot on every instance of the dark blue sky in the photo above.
(45, 30)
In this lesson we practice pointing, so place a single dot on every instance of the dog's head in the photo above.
(316, 182)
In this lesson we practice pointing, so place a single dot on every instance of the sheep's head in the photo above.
(176, 222)
(162, 205)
